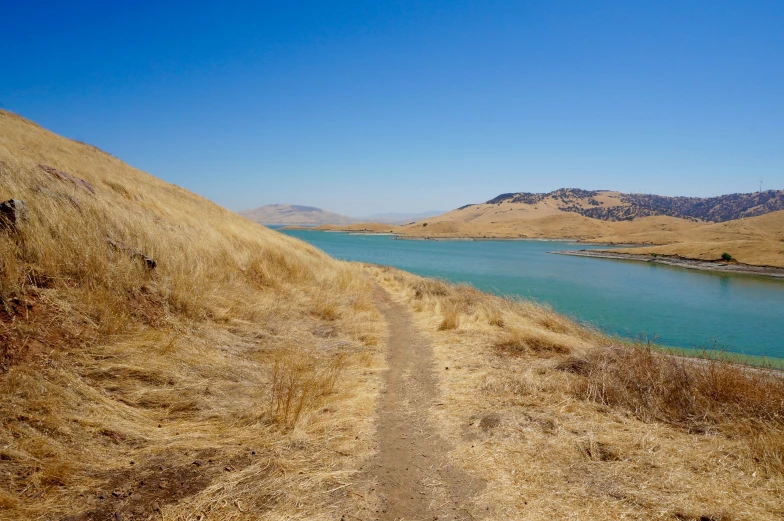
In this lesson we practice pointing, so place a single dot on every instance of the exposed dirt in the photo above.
(138, 492)
(416, 480)
(674, 260)
(29, 330)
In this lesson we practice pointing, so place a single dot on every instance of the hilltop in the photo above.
(294, 214)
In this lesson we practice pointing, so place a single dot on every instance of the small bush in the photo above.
(726, 256)
(695, 395)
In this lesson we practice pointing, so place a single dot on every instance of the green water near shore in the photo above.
(670, 306)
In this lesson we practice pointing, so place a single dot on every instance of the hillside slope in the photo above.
(607, 205)
(160, 354)
(294, 214)
(757, 241)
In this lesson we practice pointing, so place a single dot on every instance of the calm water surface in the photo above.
(676, 306)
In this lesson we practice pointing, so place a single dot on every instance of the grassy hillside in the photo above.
(756, 240)
(561, 422)
(236, 375)
(606, 205)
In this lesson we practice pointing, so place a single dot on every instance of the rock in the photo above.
(13, 213)
(133, 253)
(66, 177)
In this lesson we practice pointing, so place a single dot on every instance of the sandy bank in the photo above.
(737, 268)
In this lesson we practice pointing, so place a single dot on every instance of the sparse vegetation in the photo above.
(726, 256)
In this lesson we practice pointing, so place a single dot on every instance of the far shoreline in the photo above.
(734, 268)
(681, 262)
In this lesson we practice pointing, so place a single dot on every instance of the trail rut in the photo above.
(415, 479)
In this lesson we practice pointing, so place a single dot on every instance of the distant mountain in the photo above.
(294, 214)
(607, 205)
(399, 217)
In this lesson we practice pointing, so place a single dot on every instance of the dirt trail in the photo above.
(415, 478)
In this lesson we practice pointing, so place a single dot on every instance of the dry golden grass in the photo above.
(239, 378)
(564, 423)
(235, 380)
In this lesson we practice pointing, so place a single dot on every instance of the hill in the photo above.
(398, 217)
(661, 225)
(615, 206)
(162, 388)
(294, 214)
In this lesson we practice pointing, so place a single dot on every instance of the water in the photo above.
(675, 306)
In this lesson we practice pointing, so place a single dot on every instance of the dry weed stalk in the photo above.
(300, 380)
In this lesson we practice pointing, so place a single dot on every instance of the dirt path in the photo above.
(415, 478)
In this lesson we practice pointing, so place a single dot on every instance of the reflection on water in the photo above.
(678, 307)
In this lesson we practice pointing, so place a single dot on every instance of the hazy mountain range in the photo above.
(310, 215)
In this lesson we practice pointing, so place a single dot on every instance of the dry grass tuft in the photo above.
(301, 381)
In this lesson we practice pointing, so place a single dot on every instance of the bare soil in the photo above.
(416, 479)
(674, 260)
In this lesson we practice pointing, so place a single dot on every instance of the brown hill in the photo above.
(294, 214)
(129, 391)
(615, 206)
(575, 214)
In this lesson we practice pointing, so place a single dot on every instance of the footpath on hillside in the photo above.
(415, 477)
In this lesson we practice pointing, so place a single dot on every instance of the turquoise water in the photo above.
(675, 306)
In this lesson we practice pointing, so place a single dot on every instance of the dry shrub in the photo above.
(430, 288)
(299, 382)
(696, 395)
(326, 306)
(451, 313)
(518, 340)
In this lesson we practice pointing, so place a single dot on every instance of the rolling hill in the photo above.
(606, 205)
(294, 214)
(750, 227)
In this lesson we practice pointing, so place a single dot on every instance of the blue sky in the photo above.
(364, 107)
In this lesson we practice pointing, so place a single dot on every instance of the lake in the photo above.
(672, 306)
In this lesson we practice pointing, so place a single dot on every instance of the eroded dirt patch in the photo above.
(142, 490)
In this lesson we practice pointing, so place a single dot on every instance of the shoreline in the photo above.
(669, 260)
(694, 264)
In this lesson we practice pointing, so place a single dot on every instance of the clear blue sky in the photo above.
(363, 107)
